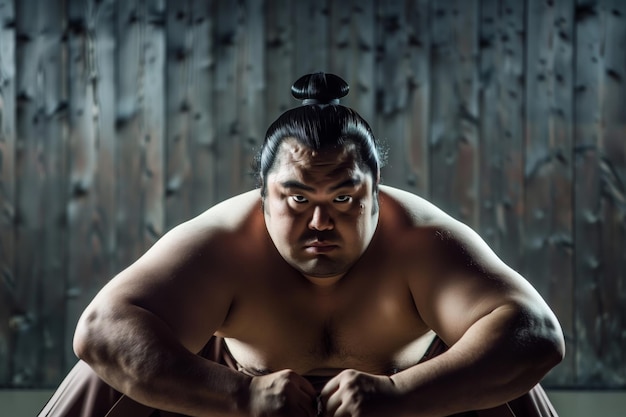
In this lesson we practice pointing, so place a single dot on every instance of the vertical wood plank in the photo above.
(313, 36)
(38, 320)
(239, 32)
(52, 288)
(418, 112)
(613, 172)
(502, 127)
(153, 115)
(588, 217)
(7, 184)
(180, 108)
(228, 37)
(82, 151)
(140, 127)
(129, 67)
(600, 175)
(279, 65)
(362, 76)
(91, 208)
(454, 138)
(178, 190)
(548, 167)
(191, 160)
(391, 91)
(251, 90)
(340, 42)
(102, 48)
(203, 128)
(352, 53)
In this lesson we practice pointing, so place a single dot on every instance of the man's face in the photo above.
(319, 208)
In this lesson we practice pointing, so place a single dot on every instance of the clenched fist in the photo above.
(358, 394)
(282, 394)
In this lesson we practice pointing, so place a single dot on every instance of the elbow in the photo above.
(549, 346)
(80, 346)
(539, 349)
(555, 341)
(84, 341)
(538, 343)
(554, 347)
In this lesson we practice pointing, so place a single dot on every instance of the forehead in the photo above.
(295, 159)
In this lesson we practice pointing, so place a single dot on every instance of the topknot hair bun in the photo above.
(320, 88)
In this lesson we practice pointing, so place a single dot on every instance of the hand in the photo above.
(358, 394)
(283, 393)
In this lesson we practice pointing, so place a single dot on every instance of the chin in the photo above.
(322, 268)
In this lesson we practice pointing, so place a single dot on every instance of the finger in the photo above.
(331, 403)
(330, 387)
(328, 401)
(299, 383)
(341, 411)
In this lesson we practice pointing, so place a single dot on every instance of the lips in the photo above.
(320, 247)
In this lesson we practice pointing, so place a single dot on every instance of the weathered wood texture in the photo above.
(38, 309)
(121, 119)
(7, 185)
(454, 114)
(599, 201)
(91, 183)
(547, 218)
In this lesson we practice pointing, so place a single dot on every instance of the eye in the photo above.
(342, 198)
(299, 199)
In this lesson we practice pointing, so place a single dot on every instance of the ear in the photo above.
(262, 193)
(261, 187)
(377, 179)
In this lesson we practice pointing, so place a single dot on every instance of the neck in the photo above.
(324, 281)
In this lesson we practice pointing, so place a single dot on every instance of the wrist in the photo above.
(404, 390)
(242, 396)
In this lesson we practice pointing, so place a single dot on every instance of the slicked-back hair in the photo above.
(320, 124)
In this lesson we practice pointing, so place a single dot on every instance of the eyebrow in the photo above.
(350, 182)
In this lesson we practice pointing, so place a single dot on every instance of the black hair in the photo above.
(320, 123)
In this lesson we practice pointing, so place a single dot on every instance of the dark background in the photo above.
(120, 119)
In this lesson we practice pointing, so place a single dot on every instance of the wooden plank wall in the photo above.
(121, 119)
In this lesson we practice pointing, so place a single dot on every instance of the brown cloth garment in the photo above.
(83, 394)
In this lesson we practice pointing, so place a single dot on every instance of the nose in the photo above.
(321, 219)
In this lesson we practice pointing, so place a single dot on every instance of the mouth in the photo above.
(320, 247)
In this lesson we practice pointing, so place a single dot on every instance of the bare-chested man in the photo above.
(322, 273)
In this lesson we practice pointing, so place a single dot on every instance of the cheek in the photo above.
(282, 220)
(352, 222)
(359, 209)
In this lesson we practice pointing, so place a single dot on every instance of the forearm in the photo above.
(137, 354)
(502, 356)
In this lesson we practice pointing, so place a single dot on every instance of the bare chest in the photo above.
(373, 327)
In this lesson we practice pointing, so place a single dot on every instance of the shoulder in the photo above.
(197, 254)
(233, 212)
(411, 209)
(205, 237)
(418, 223)
(444, 248)
(236, 215)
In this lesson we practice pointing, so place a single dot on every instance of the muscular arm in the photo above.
(503, 337)
(141, 332)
